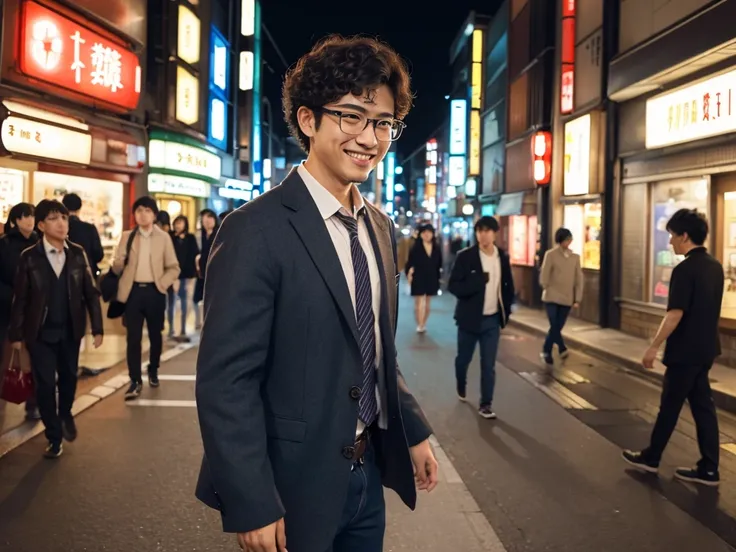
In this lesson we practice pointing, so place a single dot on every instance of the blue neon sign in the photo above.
(219, 86)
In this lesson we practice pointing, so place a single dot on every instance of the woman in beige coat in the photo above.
(562, 281)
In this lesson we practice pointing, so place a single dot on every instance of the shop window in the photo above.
(12, 186)
(584, 221)
(522, 240)
(728, 309)
(667, 198)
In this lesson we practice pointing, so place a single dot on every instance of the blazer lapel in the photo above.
(381, 241)
(311, 228)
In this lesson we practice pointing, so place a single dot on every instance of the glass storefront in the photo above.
(102, 201)
(12, 191)
(522, 239)
(584, 221)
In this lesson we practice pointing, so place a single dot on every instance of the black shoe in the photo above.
(486, 412)
(462, 393)
(701, 477)
(33, 415)
(640, 462)
(134, 391)
(69, 429)
(153, 379)
(547, 359)
(54, 450)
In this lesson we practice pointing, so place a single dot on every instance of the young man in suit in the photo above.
(482, 282)
(303, 411)
(151, 269)
(54, 293)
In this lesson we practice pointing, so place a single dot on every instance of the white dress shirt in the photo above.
(56, 257)
(491, 265)
(328, 206)
(144, 269)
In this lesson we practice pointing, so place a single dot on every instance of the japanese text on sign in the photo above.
(46, 141)
(60, 51)
(693, 112)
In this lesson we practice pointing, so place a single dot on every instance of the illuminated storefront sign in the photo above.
(187, 43)
(245, 79)
(390, 172)
(457, 170)
(217, 133)
(567, 57)
(476, 74)
(706, 108)
(68, 54)
(183, 158)
(576, 170)
(542, 157)
(187, 97)
(248, 17)
(177, 185)
(236, 189)
(45, 140)
(474, 157)
(431, 162)
(458, 126)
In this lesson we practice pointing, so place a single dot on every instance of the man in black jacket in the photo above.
(482, 282)
(54, 291)
(84, 233)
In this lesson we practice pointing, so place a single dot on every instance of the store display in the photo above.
(12, 186)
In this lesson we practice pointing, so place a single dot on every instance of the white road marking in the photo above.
(162, 402)
(177, 377)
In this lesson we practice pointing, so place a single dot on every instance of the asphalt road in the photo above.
(548, 478)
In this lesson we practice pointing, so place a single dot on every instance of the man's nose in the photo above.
(367, 138)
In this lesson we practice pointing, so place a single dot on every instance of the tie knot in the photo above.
(350, 223)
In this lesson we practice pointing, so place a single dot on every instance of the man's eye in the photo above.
(351, 117)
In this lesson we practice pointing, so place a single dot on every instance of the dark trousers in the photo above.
(145, 304)
(363, 522)
(49, 360)
(488, 336)
(557, 316)
(686, 381)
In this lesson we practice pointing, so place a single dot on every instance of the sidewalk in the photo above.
(446, 519)
(621, 349)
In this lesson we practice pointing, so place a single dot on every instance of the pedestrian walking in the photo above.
(19, 235)
(210, 224)
(482, 282)
(187, 251)
(690, 331)
(145, 275)
(303, 411)
(53, 294)
(423, 269)
(561, 279)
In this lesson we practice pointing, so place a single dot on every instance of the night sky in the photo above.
(419, 33)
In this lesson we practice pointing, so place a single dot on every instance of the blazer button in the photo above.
(355, 392)
(348, 452)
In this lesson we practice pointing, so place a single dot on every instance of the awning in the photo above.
(510, 204)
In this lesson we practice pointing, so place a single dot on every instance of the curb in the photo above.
(723, 399)
(17, 436)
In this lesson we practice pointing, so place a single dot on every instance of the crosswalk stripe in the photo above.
(177, 377)
(162, 402)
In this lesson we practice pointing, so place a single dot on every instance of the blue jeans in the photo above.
(363, 522)
(171, 305)
(489, 334)
(557, 315)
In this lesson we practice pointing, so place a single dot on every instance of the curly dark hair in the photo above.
(338, 66)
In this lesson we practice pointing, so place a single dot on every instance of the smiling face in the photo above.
(347, 157)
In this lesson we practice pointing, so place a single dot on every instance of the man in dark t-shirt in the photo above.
(690, 329)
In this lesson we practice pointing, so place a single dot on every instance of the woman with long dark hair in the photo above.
(423, 270)
(19, 235)
(187, 250)
(210, 222)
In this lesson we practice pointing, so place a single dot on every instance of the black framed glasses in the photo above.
(387, 130)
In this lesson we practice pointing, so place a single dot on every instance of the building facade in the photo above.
(675, 84)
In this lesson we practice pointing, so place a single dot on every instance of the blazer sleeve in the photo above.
(171, 264)
(92, 298)
(97, 252)
(546, 273)
(6, 278)
(579, 280)
(239, 299)
(20, 300)
(416, 426)
(463, 283)
(118, 261)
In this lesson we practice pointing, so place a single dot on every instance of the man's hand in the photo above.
(649, 356)
(576, 305)
(17, 345)
(425, 466)
(97, 342)
(271, 538)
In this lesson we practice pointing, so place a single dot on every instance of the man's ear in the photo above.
(307, 122)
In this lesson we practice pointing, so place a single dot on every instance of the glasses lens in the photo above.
(352, 123)
(396, 129)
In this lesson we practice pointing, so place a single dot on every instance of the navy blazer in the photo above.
(278, 358)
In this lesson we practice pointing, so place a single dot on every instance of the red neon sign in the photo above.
(65, 53)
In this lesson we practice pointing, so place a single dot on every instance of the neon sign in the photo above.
(60, 51)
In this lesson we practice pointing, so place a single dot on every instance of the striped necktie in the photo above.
(368, 405)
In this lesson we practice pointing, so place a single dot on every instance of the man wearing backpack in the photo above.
(147, 267)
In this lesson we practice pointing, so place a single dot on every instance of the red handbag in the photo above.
(17, 386)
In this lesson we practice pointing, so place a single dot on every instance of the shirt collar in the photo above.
(695, 250)
(327, 204)
(493, 253)
(50, 248)
(145, 234)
